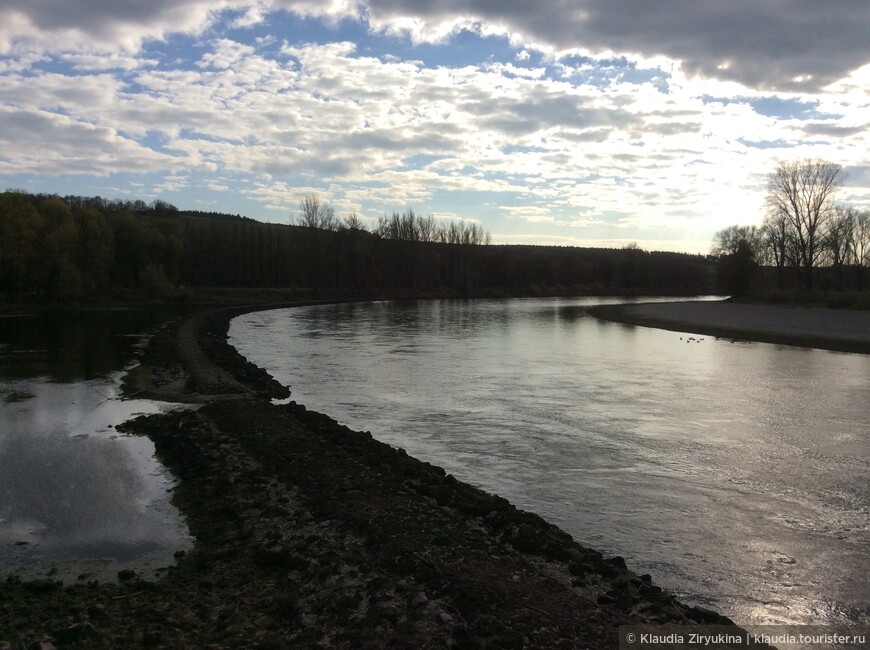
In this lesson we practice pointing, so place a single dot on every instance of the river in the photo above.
(78, 500)
(735, 473)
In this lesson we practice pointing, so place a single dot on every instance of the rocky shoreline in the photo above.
(313, 535)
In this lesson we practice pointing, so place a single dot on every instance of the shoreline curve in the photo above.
(309, 534)
(839, 330)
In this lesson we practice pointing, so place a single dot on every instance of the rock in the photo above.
(126, 575)
(74, 633)
(45, 644)
(419, 600)
(388, 612)
(617, 561)
(445, 618)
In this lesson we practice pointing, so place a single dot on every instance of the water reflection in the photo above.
(70, 493)
(736, 474)
(73, 345)
(73, 491)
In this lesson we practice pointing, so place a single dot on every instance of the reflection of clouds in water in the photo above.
(69, 485)
(73, 493)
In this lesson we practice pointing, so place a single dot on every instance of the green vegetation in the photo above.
(68, 249)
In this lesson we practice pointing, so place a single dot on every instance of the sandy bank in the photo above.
(830, 329)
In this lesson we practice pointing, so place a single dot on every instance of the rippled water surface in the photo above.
(76, 497)
(735, 473)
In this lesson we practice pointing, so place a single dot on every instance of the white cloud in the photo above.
(57, 144)
(94, 62)
(776, 44)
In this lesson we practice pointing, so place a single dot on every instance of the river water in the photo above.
(78, 500)
(735, 473)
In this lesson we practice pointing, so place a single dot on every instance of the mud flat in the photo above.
(309, 534)
(829, 329)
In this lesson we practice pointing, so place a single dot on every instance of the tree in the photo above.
(736, 271)
(21, 229)
(802, 193)
(353, 222)
(734, 239)
(861, 239)
(739, 250)
(314, 214)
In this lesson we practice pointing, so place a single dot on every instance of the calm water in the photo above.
(75, 496)
(735, 473)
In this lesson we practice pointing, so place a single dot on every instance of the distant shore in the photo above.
(843, 330)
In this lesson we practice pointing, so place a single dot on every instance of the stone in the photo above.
(419, 600)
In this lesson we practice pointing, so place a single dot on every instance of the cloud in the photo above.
(795, 45)
(834, 130)
(48, 143)
(97, 62)
(775, 44)
(97, 25)
(579, 143)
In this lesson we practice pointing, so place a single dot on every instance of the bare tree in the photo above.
(427, 228)
(861, 239)
(314, 214)
(353, 222)
(839, 240)
(777, 241)
(839, 235)
(410, 227)
(802, 192)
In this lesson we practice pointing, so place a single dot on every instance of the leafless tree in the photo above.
(839, 236)
(802, 192)
(861, 239)
(427, 228)
(353, 222)
(777, 241)
(314, 214)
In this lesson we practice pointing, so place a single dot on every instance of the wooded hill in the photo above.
(78, 248)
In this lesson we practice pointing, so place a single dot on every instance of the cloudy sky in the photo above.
(570, 122)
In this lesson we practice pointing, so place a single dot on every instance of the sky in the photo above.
(564, 122)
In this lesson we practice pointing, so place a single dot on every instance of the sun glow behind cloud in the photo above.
(463, 110)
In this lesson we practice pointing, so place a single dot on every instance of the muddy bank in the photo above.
(842, 330)
(313, 535)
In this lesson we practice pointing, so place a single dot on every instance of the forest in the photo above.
(88, 249)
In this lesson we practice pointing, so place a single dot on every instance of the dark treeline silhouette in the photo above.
(807, 240)
(77, 248)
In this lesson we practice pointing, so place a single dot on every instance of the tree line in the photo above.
(807, 237)
(74, 248)
(407, 226)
